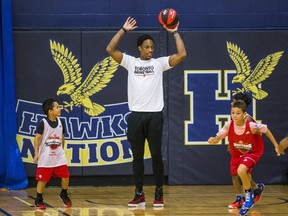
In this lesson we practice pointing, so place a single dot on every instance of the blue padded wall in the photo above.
(193, 14)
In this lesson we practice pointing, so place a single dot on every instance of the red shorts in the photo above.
(45, 173)
(249, 160)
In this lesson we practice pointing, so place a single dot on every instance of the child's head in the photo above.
(238, 111)
(51, 106)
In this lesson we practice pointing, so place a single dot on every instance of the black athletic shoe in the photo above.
(66, 200)
(158, 202)
(39, 203)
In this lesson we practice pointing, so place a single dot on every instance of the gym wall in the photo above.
(198, 92)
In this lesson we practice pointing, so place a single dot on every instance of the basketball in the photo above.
(168, 17)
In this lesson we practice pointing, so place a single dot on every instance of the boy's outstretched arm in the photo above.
(214, 140)
(274, 142)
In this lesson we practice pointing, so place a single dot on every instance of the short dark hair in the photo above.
(241, 96)
(239, 104)
(142, 38)
(47, 105)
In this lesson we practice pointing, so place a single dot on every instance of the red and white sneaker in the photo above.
(39, 203)
(158, 202)
(138, 200)
(66, 200)
(237, 204)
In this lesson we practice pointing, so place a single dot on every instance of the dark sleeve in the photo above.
(40, 128)
(63, 126)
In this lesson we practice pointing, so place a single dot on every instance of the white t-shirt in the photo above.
(51, 153)
(145, 82)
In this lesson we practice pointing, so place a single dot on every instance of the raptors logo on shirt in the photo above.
(53, 141)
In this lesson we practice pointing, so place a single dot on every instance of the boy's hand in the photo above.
(35, 158)
(279, 150)
(213, 140)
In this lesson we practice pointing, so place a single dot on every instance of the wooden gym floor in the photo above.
(112, 201)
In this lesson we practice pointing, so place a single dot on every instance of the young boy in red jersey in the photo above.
(246, 147)
(257, 187)
(49, 153)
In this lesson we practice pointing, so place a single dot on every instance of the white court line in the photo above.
(23, 201)
(29, 204)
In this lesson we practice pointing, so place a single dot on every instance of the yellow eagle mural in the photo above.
(250, 79)
(79, 91)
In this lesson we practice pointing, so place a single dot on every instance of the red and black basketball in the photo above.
(168, 17)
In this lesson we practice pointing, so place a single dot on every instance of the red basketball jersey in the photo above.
(246, 143)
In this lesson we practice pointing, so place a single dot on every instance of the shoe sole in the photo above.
(158, 205)
(40, 208)
(135, 205)
(231, 207)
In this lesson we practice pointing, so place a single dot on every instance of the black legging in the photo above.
(141, 126)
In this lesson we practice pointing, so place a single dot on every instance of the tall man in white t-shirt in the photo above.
(145, 101)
